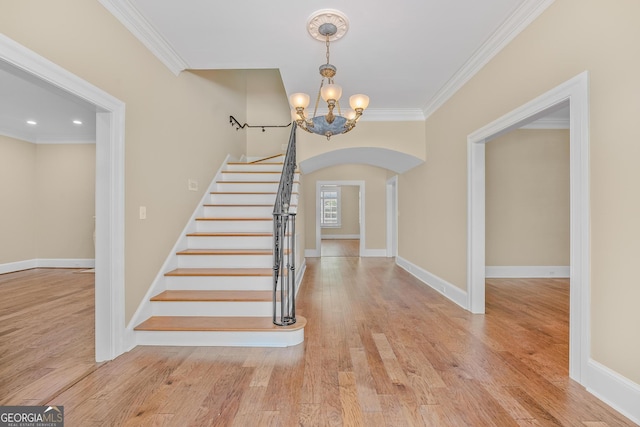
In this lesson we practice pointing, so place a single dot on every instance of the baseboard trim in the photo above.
(527, 271)
(12, 267)
(374, 253)
(450, 291)
(340, 236)
(613, 389)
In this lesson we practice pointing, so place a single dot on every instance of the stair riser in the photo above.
(234, 226)
(242, 199)
(240, 176)
(238, 211)
(219, 283)
(225, 261)
(232, 242)
(255, 167)
(213, 308)
(249, 187)
(226, 339)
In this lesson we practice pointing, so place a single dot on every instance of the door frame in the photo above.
(109, 250)
(361, 213)
(575, 93)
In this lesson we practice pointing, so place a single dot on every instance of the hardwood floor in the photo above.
(340, 247)
(46, 333)
(381, 349)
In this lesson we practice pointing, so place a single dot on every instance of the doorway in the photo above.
(573, 93)
(109, 255)
(347, 242)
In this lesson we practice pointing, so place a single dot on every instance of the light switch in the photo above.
(143, 212)
(193, 185)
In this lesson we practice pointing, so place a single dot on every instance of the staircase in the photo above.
(220, 291)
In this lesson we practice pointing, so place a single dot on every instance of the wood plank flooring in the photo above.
(340, 247)
(381, 349)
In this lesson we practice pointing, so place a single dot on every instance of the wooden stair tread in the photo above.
(194, 296)
(252, 182)
(240, 205)
(254, 163)
(229, 234)
(217, 324)
(248, 272)
(233, 219)
(226, 252)
(248, 192)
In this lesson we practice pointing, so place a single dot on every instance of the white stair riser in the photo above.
(252, 176)
(236, 226)
(219, 283)
(250, 187)
(242, 199)
(213, 308)
(238, 211)
(225, 261)
(256, 167)
(226, 339)
(230, 242)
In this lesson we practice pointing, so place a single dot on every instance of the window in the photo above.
(330, 205)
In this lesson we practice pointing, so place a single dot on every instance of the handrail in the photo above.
(284, 230)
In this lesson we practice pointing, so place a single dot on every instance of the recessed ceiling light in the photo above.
(32, 122)
(77, 122)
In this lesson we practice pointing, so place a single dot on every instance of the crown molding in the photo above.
(385, 114)
(518, 21)
(133, 20)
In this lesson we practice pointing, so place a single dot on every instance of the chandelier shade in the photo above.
(327, 25)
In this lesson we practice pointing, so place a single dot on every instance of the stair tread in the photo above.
(248, 192)
(249, 272)
(240, 205)
(229, 234)
(199, 295)
(232, 219)
(206, 323)
(226, 252)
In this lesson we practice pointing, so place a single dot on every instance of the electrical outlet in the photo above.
(143, 212)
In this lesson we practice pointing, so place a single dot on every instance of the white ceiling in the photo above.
(409, 56)
(24, 97)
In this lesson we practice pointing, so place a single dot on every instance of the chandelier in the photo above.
(327, 25)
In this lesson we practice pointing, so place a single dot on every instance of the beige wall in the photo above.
(571, 36)
(177, 127)
(375, 201)
(48, 199)
(349, 213)
(17, 192)
(267, 104)
(65, 194)
(405, 137)
(527, 199)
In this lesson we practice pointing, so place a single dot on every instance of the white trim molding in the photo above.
(133, 21)
(613, 389)
(373, 253)
(528, 11)
(575, 93)
(12, 267)
(109, 329)
(340, 236)
(527, 271)
(445, 288)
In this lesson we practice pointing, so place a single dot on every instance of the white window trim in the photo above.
(337, 189)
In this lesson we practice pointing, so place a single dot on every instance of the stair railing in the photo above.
(284, 248)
